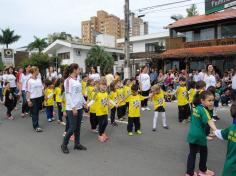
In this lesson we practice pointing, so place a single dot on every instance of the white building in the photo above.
(71, 52)
(106, 40)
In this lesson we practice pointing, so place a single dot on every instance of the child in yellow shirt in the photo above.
(49, 100)
(182, 99)
(158, 99)
(192, 92)
(58, 98)
(127, 91)
(134, 114)
(114, 97)
(121, 96)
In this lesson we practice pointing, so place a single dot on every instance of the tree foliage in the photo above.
(192, 11)
(59, 36)
(7, 37)
(98, 57)
(38, 44)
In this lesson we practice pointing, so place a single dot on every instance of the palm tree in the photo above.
(98, 57)
(8, 37)
(38, 43)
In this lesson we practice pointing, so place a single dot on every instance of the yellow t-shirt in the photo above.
(49, 101)
(84, 85)
(89, 89)
(101, 101)
(121, 96)
(182, 96)
(63, 98)
(192, 93)
(159, 100)
(127, 91)
(57, 93)
(114, 97)
(93, 107)
(135, 105)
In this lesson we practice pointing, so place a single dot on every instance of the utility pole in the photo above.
(127, 47)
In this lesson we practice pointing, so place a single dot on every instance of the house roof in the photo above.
(226, 14)
(212, 51)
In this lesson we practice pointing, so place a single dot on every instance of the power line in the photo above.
(160, 5)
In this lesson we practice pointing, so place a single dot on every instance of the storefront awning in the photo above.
(200, 52)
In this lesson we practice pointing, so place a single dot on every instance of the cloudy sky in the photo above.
(40, 17)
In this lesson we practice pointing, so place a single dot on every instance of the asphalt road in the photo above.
(163, 153)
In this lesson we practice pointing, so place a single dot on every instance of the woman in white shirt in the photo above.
(11, 78)
(145, 85)
(25, 76)
(234, 82)
(74, 107)
(94, 74)
(209, 77)
(34, 89)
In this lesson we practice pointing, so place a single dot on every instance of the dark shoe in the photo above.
(114, 124)
(64, 149)
(38, 130)
(166, 127)
(79, 147)
(153, 129)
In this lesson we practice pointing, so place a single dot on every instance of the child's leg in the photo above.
(113, 114)
(203, 158)
(102, 124)
(155, 118)
(93, 121)
(192, 158)
(119, 112)
(163, 114)
(137, 124)
(9, 109)
(130, 125)
(180, 113)
(123, 110)
(48, 112)
(60, 113)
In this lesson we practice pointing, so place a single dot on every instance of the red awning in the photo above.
(211, 51)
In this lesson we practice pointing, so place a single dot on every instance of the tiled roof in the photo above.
(227, 14)
(211, 51)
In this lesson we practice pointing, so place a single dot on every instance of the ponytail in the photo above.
(70, 70)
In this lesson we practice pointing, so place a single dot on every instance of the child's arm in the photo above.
(212, 125)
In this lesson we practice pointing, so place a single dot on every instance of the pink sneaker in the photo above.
(11, 118)
(207, 173)
(101, 139)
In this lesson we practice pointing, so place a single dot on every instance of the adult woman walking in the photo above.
(74, 107)
(25, 76)
(94, 74)
(145, 85)
(34, 93)
(209, 77)
(11, 78)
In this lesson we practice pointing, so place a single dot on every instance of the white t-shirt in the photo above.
(73, 91)
(145, 81)
(12, 80)
(35, 88)
(95, 76)
(196, 77)
(24, 79)
(52, 76)
(210, 80)
(201, 76)
(234, 82)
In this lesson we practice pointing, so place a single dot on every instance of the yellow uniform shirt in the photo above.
(134, 105)
(159, 100)
(57, 93)
(84, 85)
(49, 98)
(101, 101)
(127, 91)
(90, 89)
(192, 93)
(114, 97)
(121, 96)
(182, 96)
(63, 98)
(93, 107)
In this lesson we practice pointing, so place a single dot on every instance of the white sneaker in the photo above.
(143, 109)
(148, 109)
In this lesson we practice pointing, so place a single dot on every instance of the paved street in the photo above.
(26, 153)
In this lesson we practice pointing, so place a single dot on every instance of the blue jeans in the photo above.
(74, 127)
(34, 110)
(49, 112)
(1, 95)
(25, 107)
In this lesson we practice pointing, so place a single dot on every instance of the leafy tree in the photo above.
(2, 66)
(7, 37)
(59, 36)
(98, 57)
(38, 44)
(192, 11)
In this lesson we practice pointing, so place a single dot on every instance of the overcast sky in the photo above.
(40, 17)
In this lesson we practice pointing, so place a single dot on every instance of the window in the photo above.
(189, 36)
(207, 34)
(228, 31)
(64, 55)
(154, 47)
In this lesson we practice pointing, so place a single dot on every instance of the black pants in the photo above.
(113, 115)
(133, 121)
(93, 121)
(121, 111)
(13, 90)
(194, 149)
(60, 113)
(102, 122)
(74, 127)
(184, 112)
(144, 103)
(9, 107)
(34, 110)
(67, 124)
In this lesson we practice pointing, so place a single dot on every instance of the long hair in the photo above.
(70, 70)
(207, 69)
